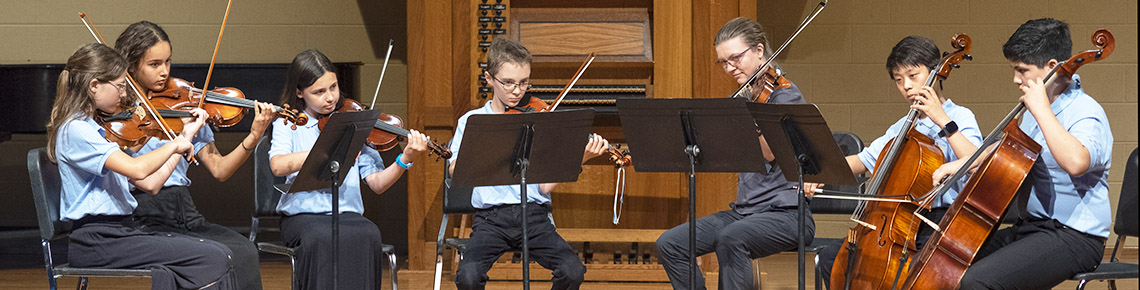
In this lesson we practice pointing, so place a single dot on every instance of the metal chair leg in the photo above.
(292, 272)
(392, 268)
(1112, 284)
(1081, 284)
(48, 264)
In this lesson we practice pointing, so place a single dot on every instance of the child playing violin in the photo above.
(1063, 217)
(165, 204)
(762, 221)
(952, 127)
(96, 177)
(497, 227)
(311, 83)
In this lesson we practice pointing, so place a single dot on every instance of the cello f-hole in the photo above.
(881, 241)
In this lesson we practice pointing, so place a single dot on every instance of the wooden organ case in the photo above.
(644, 49)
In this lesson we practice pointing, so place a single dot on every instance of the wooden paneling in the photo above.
(659, 44)
(567, 34)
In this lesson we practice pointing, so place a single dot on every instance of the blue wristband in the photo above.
(401, 162)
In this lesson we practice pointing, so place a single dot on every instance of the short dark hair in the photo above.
(1039, 40)
(503, 51)
(307, 67)
(913, 51)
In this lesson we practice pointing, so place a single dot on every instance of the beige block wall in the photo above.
(839, 61)
(258, 31)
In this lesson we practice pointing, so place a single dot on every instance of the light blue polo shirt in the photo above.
(967, 126)
(178, 176)
(87, 186)
(1079, 202)
(489, 196)
(286, 140)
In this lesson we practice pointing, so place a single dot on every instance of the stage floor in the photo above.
(779, 273)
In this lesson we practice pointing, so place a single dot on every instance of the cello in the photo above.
(977, 211)
(878, 248)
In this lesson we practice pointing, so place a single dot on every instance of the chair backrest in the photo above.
(265, 196)
(1126, 208)
(456, 199)
(849, 144)
(45, 191)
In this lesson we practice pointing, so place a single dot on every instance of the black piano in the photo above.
(27, 91)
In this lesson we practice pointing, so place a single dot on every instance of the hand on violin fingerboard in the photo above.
(595, 147)
(191, 126)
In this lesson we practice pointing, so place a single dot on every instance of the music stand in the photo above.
(500, 147)
(336, 148)
(800, 140)
(691, 135)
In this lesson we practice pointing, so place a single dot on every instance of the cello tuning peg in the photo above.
(954, 65)
(968, 57)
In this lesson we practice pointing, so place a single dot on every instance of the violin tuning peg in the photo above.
(968, 57)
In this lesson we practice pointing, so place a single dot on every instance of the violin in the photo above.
(141, 120)
(130, 128)
(384, 133)
(771, 80)
(978, 209)
(877, 250)
(226, 106)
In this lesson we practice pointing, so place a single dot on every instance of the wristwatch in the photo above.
(949, 129)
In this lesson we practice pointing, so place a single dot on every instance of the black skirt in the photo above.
(360, 251)
(172, 210)
(177, 261)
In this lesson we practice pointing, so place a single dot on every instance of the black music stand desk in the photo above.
(691, 135)
(804, 148)
(500, 147)
(336, 148)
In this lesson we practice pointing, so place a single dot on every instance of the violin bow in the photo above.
(210, 71)
(134, 86)
(764, 67)
(577, 75)
(383, 69)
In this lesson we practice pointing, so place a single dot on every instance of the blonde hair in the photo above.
(752, 32)
(92, 61)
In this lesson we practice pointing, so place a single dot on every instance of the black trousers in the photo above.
(736, 239)
(360, 251)
(172, 210)
(499, 229)
(824, 262)
(1035, 254)
(177, 261)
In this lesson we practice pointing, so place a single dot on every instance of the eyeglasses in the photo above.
(510, 86)
(122, 87)
(733, 60)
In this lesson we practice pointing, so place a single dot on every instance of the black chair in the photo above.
(265, 199)
(46, 190)
(1126, 219)
(456, 200)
